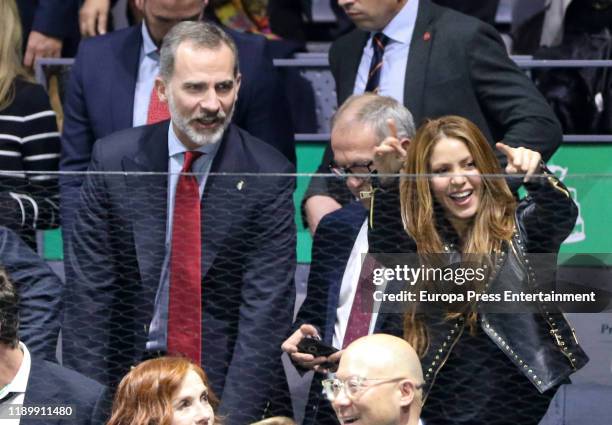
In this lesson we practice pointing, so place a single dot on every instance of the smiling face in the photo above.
(377, 404)
(387, 394)
(371, 15)
(201, 93)
(458, 185)
(190, 405)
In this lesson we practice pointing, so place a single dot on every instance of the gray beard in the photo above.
(200, 139)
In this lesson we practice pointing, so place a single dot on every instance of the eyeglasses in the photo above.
(353, 386)
(364, 169)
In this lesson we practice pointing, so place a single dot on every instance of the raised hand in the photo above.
(390, 155)
(520, 160)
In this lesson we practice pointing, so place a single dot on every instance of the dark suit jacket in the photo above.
(116, 255)
(331, 249)
(40, 294)
(51, 384)
(54, 18)
(100, 100)
(462, 68)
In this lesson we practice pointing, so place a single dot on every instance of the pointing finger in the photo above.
(392, 128)
(505, 149)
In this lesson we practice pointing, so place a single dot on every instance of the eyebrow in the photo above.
(182, 399)
(464, 159)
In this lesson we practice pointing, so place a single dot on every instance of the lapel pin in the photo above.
(427, 36)
(240, 184)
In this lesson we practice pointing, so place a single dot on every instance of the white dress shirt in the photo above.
(17, 387)
(393, 72)
(348, 288)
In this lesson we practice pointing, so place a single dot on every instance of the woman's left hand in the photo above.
(520, 160)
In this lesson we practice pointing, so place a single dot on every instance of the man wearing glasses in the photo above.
(378, 382)
(358, 127)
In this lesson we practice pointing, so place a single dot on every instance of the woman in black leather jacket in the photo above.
(479, 367)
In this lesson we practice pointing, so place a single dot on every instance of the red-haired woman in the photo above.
(165, 391)
(480, 367)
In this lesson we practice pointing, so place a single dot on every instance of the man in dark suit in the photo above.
(31, 381)
(437, 62)
(150, 270)
(359, 126)
(112, 81)
(50, 28)
(40, 293)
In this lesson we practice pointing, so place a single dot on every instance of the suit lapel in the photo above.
(127, 54)
(147, 199)
(350, 64)
(224, 195)
(418, 60)
(40, 391)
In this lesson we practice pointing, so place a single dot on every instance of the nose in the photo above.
(353, 182)
(210, 102)
(203, 413)
(345, 3)
(458, 179)
(341, 401)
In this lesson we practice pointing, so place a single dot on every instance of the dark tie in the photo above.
(185, 305)
(361, 311)
(157, 111)
(379, 41)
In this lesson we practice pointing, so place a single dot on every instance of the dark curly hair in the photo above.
(9, 311)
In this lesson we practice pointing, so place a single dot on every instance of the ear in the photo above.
(407, 393)
(405, 142)
(161, 88)
(238, 81)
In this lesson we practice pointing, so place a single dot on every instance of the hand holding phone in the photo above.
(315, 347)
(306, 349)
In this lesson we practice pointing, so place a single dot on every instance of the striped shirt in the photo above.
(29, 149)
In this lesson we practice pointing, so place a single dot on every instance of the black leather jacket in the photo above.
(542, 345)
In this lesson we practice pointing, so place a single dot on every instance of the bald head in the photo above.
(392, 376)
(384, 356)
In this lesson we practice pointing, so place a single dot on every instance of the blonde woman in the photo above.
(29, 140)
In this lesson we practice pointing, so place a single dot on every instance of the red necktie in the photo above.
(158, 111)
(185, 305)
(361, 312)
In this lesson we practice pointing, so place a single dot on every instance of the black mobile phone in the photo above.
(315, 347)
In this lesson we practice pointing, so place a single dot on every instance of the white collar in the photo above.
(401, 27)
(175, 146)
(148, 45)
(20, 381)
